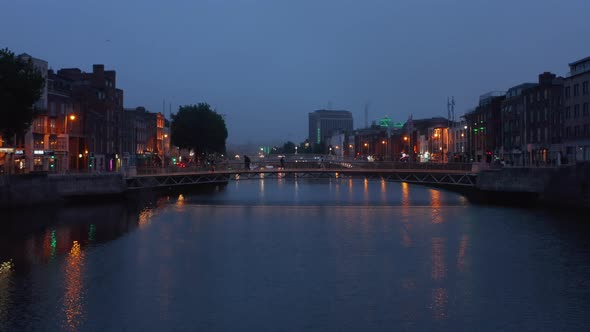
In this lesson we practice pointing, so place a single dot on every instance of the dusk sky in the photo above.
(265, 64)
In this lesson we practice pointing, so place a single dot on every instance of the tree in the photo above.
(199, 128)
(21, 85)
(289, 147)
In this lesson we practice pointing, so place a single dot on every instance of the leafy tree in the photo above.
(289, 147)
(200, 128)
(21, 85)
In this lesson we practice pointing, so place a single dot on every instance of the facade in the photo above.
(427, 139)
(459, 143)
(33, 151)
(323, 123)
(65, 120)
(513, 110)
(142, 134)
(576, 112)
(541, 123)
(101, 104)
(484, 126)
(531, 122)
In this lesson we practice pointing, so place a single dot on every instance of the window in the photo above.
(576, 90)
(567, 92)
(567, 112)
(585, 110)
(52, 109)
(576, 111)
(546, 134)
(568, 132)
(585, 88)
(586, 131)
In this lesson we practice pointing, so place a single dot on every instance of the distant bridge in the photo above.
(442, 177)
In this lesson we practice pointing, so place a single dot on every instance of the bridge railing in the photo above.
(306, 164)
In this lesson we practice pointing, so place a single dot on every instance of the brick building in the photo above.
(101, 104)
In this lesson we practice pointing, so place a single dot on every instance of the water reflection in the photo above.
(405, 194)
(461, 258)
(435, 204)
(6, 270)
(439, 269)
(74, 296)
(440, 300)
(218, 266)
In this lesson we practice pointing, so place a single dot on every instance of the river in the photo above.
(295, 255)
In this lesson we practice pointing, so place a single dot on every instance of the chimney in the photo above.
(97, 69)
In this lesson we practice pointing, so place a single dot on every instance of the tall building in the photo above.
(324, 123)
(101, 103)
(576, 113)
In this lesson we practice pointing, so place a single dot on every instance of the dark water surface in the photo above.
(280, 255)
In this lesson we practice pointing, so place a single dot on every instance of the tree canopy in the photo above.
(21, 85)
(200, 128)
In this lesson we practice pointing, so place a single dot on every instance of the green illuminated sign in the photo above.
(319, 137)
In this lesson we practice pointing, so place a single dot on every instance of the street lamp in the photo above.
(72, 117)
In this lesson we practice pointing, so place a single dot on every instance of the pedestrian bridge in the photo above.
(440, 177)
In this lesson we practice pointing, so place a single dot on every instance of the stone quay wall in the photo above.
(30, 189)
(564, 186)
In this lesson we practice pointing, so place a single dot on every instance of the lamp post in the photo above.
(72, 117)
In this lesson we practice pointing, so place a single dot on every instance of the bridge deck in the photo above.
(424, 176)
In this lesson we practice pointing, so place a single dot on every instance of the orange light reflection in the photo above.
(73, 299)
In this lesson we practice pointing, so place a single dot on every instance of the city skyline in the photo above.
(265, 66)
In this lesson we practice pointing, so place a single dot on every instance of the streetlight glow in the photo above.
(72, 117)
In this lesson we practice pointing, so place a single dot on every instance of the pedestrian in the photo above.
(282, 161)
(246, 162)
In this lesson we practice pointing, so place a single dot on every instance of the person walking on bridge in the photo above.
(246, 163)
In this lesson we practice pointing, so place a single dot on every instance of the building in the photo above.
(33, 150)
(101, 104)
(427, 139)
(142, 134)
(64, 118)
(324, 123)
(513, 110)
(541, 131)
(531, 122)
(484, 126)
(576, 112)
(458, 148)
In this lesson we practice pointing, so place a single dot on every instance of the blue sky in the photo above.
(266, 63)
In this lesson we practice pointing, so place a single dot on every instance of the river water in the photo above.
(286, 255)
